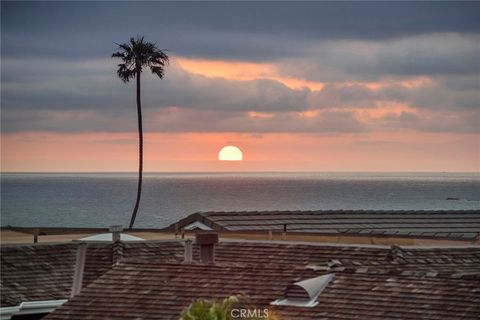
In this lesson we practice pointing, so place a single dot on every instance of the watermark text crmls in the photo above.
(247, 313)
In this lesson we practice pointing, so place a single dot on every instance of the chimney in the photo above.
(36, 231)
(206, 242)
(188, 253)
(116, 231)
(176, 230)
(79, 267)
(284, 234)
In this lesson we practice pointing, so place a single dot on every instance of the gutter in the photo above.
(30, 307)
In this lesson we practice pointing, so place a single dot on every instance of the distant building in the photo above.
(343, 226)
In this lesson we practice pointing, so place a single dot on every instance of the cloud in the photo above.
(84, 96)
(364, 58)
(344, 96)
(244, 31)
(177, 120)
(437, 54)
(459, 123)
(72, 86)
(437, 96)
(194, 91)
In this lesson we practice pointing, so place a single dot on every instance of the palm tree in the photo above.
(136, 55)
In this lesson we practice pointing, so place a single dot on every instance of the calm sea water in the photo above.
(100, 200)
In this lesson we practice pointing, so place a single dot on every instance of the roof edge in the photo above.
(30, 307)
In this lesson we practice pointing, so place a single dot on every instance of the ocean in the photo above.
(103, 199)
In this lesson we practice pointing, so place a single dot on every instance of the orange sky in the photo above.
(384, 150)
(238, 70)
(36, 151)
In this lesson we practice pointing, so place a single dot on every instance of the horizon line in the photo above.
(212, 171)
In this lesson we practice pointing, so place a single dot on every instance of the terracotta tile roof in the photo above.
(453, 224)
(142, 290)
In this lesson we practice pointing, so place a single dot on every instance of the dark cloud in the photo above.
(93, 85)
(403, 117)
(68, 121)
(344, 96)
(248, 30)
(182, 120)
(436, 54)
(57, 76)
(426, 55)
(462, 82)
(195, 91)
(460, 123)
(82, 87)
(440, 96)
(95, 100)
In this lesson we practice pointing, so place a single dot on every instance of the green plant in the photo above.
(204, 309)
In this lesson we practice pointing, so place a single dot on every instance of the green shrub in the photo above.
(204, 309)
(209, 309)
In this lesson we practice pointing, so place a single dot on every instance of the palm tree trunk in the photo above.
(140, 152)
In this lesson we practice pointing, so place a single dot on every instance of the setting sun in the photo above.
(230, 153)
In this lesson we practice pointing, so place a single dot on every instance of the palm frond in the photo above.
(118, 55)
(125, 73)
(159, 71)
(138, 54)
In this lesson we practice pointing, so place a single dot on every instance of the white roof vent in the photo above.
(109, 237)
(197, 226)
(304, 293)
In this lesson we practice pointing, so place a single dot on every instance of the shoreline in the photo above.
(14, 236)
